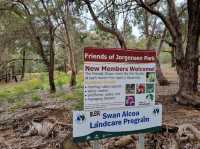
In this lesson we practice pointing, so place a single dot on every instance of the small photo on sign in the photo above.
(150, 97)
(150, 88)
(140, 88)
(150, 76)
(130, 101)
(130, 88)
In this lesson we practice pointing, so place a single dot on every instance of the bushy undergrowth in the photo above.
(16, 93)
(34, 82)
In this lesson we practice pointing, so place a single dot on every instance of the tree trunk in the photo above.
(149, 38)
(6, 80)
(51, 30)
(187, 68)
(23, 64)
(68, 45)
(73, 78)
(51, 63)
(51, 66)
(188, 81)
(36, 40)
(159, 74)
(186, 59)
(51, 79)
(65, 67)
(14, 77)
(73, 67)
(70, 58)
(173, 61)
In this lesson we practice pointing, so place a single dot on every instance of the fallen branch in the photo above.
(188, 131)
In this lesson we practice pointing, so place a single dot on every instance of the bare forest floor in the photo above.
(47, 123)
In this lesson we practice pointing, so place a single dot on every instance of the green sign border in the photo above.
(102, 134)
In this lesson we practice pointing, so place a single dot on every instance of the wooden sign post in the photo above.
(141, 141)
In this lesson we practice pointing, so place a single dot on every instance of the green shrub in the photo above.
(19, 90)
(61, 79)
(4, 95)
(60, 83)
(34, 84)
(80, 80)
(35, 98)
(71, 96)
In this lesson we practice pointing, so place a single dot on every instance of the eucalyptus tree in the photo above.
(40, 27)
(186, 57)
(13, 41)
(44, 20)
(64, 17)
(152, 29)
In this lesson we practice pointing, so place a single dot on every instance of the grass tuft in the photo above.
(36, 98)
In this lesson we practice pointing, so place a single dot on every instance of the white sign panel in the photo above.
(118, 78)
(93, 125)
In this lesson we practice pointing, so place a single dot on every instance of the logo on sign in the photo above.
(156, 111)
(95, 113)
(80, 118)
